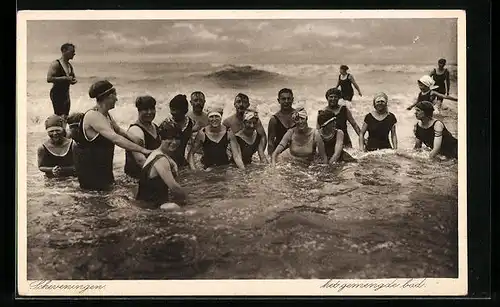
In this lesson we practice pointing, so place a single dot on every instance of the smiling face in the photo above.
(215, 121)
(241, 105)
(423, 88)
(250, 125)
(380, 105)
(197, 103)
(56, 134)
(285, 100)
(147, 115)
(333, 100)
(170, 145)
(301, 122)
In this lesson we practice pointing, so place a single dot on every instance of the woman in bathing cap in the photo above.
(157, 184)
(214, 141)
(249, 139)
(428, 92)
(98, 135)
(345, 82)
(379, 123)
(433, 132)
(332, 137)
(303, 142)
(55, 156)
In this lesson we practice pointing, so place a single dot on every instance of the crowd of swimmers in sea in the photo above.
(83, 144)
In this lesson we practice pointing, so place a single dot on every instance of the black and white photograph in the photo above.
(294, 152)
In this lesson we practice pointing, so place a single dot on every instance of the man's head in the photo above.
(68, 51)
(333, 96)
(197, 101)
(285, 98)
(442, 63)
(241, 103)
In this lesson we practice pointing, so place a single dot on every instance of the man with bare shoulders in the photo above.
(281, 121)
(235, 121)
(196, 113)
(62, 75)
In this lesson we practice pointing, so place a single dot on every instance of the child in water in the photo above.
(427, 93)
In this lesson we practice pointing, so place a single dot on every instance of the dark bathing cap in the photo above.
(344, 67)
(168, 130)
(100, 88)
(74, 118)
(426, 106)
(334, 91)
(179, 102)
(145, 102)
(54, 121)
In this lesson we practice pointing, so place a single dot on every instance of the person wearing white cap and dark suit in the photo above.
(249, 139)
(427, 92)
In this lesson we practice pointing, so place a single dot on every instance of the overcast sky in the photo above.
(249, 41)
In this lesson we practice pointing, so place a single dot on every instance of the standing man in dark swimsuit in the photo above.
(346, 81)
(145, 131)
(281, 121)
(441, 78)
(62, 75)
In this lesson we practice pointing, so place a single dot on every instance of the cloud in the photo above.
(324, 30)
(120, 39)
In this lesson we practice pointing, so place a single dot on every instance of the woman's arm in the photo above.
(260, 151)
(271, 129)
(447, 81)
(444, 96)
(394, 137)
(125, 134)
(162, 166)
(418, 142)
(321, 147)
(197, 143)
(137, 133)
(438, 138)
(235, 149)
(99, 123)
(413, 105)
(351, 120)
(285, 142)
(339, 146)
(41, 161)
(260, 129)
(355, 84)
(362, 136)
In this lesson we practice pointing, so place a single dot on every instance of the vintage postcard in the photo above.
(208, 153)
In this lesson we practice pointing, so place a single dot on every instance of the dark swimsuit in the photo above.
(94, 161)
(440, 81)
(131, 167)
(330, 150)
(378, 131)
(449, 144)
(153, 190)
(429, 96)
(341, 123)
(215, 154)
(279, 130)
(179, 156)
(59, 93)
(50, 160)
(247, 150)
(346, 88)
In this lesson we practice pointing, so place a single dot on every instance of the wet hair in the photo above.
(74, 118)
(197, 93)
(101, 89)
(442, 61)
(427, 107)
(145, 102)
(334, 91)
(179, 102)
(324, 116)
(242, 97)
(285, 90)
(344, 67)
(169, 130)
(66, 46)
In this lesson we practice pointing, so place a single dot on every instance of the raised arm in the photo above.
(137, 133)
(235, 149)
(99, 123)
(362, 136)
(51, 74)
(351, 120)
(271, 129)
(444, 96)
(339, 145)
(197, 144)
(355, 84)
(438, 139)
(285, 142)
(413, 105)
(125, 134)
(163, 168)
(321, 147)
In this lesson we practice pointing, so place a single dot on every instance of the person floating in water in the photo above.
(214, 140)
(145, 131)
(342, 114)
(346, 81)
(281, 121)
(333, 138)
(302, 141)
(235, 121)
(157, 179)
(178, 116)
(61, 74)
(98, 135)
(433, 133)
(441, 78)
(55, 156)
(379, 123)
(428, 93)
(249, 139)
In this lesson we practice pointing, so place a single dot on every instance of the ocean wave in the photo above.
(241, 76)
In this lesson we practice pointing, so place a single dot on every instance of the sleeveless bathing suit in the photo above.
(247, 150)
(153, 190)
(449, 144)
(309, 143)
(179, 156)
(59, 93)
(215, 154)
(131, 167)
(378, 137)
(429, 96)
(280, 130)
(330, 150)
(94, 161)
(440, 80)
(341, 123)
(346, 88)
(50, 159)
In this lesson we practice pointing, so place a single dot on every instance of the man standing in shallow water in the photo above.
(196, 113)
(62, 75)
(235, 121)
(282, 120)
